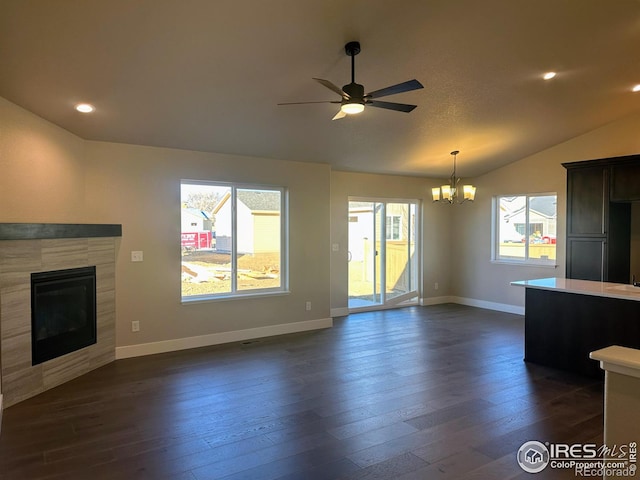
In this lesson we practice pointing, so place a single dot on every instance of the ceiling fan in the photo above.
(353, 99)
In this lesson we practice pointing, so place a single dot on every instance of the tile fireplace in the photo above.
(45, 251)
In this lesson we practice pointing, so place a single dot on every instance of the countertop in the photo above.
(583, 287)
(619, 359)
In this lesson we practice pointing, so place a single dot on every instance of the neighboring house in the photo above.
(258, 222)
(194, 220)
(542, 217)
(363, 218)
(196, 229)
(361, 224)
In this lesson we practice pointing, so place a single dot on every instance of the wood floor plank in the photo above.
(413, 393)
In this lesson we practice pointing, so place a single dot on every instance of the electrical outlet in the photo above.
(335, 247)
(135, 326)
(436, 286)
(308, 306)
(136, 256)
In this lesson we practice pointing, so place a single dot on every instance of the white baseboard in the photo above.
(471, 302)
(500, 307)
(339, 312)
(142, 349)
(436, 300)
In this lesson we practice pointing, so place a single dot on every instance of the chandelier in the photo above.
(450, 193)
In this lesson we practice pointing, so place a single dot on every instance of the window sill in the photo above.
(524, 264)
(223, 298)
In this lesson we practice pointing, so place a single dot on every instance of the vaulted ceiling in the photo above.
(208, 75)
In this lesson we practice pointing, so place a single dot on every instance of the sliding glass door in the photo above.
(383, 259)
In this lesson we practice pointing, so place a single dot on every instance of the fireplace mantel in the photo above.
(37, 231)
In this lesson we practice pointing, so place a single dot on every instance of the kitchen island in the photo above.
(566, 319)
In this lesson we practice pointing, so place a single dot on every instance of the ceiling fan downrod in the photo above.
(352, 49)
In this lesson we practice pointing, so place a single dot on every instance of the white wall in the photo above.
(42, 170)
(49, 175)
(474, 276)
(133, 182)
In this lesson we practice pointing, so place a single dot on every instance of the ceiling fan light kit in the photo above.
(352, 108)
(354, 100)
(450, 193)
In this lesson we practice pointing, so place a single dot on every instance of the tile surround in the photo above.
(18, 259)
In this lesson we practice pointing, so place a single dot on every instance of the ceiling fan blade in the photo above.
(305, 103)
(399, 88)
(331, 87)
(339, 115)
(398, 107)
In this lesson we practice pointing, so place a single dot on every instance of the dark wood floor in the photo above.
(417, 393)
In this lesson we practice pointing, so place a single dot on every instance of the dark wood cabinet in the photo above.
(625, 181)
(599, 196)
(586, 258)
(618, 264)
(587, 200)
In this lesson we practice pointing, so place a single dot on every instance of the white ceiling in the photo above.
(207, 75)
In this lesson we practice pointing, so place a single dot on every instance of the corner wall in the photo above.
(479, 279)
(52, 176)
(42, 171)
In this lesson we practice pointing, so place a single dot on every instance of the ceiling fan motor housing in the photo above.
(355, 92)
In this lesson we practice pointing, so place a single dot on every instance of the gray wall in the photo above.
(50, 175)
(475, 277)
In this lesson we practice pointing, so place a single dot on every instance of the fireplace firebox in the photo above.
(63, 312)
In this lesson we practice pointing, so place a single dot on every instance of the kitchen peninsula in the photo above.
(566, 319)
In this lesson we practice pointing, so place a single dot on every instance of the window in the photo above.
(393, 227)
(525, 228)
(233, 240)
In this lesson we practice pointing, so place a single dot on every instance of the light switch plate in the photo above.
(136, 256)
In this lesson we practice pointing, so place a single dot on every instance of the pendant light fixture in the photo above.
(450, 193)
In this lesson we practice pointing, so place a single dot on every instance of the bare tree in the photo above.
(203, 201)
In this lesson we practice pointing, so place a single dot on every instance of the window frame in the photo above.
(495, 232)
(236, 293)
(389, 227)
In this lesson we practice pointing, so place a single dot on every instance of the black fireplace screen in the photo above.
(63, 312)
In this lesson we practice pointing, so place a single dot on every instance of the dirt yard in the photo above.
(208, 272)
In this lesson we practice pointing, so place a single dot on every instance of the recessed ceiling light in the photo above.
(85, 108)
(636, 88)
(549, 75)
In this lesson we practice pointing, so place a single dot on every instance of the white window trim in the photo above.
(284, 245)
(495, 233)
